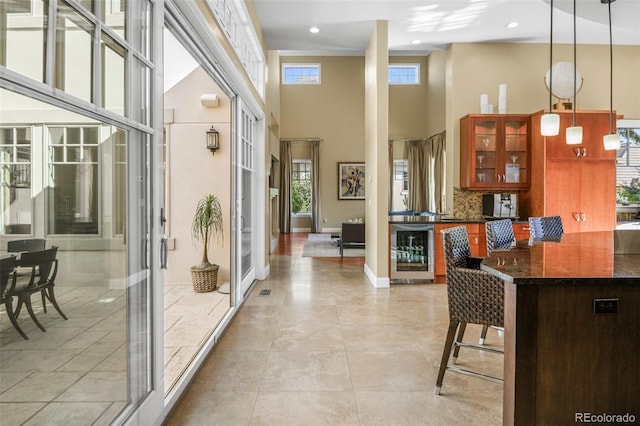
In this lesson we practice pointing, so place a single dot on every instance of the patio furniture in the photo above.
(44, 268)
(7, 289)
(31, 244)
(546, 227)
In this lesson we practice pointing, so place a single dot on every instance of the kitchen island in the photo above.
(572, 331)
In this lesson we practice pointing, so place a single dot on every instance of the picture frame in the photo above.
(351, 181)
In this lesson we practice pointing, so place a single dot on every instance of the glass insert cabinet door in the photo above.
(494, 151)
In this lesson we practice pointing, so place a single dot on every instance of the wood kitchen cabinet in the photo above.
(495, 151)
(521, 230)
(477, 243)
(576, 182)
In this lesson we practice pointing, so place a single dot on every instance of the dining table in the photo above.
(571, 330)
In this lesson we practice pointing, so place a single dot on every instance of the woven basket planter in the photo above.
(204, 279)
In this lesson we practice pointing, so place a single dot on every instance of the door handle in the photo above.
(164, 249)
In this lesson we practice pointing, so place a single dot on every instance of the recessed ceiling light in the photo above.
(415, 42)
(314, 30)
(512, 25)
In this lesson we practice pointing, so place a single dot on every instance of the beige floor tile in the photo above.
(307, 371)
(389, 370)
(16, 413)
(232, 370)
(68, 413)
(206, 407)
(305, 408)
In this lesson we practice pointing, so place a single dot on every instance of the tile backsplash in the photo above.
(467, 204)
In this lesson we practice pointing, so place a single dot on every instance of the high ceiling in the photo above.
(345, 26)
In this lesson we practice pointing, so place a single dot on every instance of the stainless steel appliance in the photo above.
(499, 205)
(411, 252)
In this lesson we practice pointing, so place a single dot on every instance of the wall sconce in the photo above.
(213, 140)
(209, 100)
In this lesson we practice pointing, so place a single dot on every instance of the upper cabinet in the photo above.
(575, 182)
(495, 151)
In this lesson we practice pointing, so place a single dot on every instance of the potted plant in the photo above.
(207, 223)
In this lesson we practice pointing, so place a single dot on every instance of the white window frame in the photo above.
(626, 124)
(301, 83)
(415, 66)
(298, 161)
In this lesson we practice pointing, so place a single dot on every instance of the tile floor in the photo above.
(327, 348)
(75, 373)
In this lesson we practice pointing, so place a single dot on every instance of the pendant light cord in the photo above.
(610, 72)
(551, 57)
(575, 66)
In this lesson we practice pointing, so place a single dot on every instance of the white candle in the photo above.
(502, 99)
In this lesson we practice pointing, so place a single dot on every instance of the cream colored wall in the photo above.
(409, 104)
(334, 112)
(474, 69)
(376, 154)
(436, 92)
(194, 172)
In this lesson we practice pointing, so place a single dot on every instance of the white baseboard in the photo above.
(377, 282)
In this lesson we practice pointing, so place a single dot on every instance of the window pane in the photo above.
(628, 167)
(301, 74)
(22, 41)
(15, 181)
(113, 12)
(113, 71)
(72, 196)
(404, 74)
(120, 192)
(74, 50)
(301, 187)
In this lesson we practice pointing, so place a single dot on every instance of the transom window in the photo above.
(404, 74)
(301, 74)
(301, 187)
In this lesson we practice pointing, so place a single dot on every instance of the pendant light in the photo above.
(574, 133)
(612, 140)
(550, 122)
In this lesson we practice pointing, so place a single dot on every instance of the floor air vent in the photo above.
(265, 292)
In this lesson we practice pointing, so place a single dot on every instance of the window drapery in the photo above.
(285, 187)
(426, 160)
(316, 217)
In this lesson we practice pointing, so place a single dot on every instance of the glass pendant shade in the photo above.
(574, 135)
(550, 124)
(611, 141)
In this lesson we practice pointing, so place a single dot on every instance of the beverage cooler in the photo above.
(411, 253)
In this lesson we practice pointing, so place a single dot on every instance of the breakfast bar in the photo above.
(572, 330)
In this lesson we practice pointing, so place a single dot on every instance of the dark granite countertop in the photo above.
(439, 219)
(578, 258)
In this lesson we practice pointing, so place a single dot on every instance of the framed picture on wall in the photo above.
(351, 181)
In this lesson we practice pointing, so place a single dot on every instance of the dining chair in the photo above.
(499, 234)
(7, 289)
(473, 297)
(44, 268)
(545, 227)
(31, 244)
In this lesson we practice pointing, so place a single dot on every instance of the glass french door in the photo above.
(245, 220)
